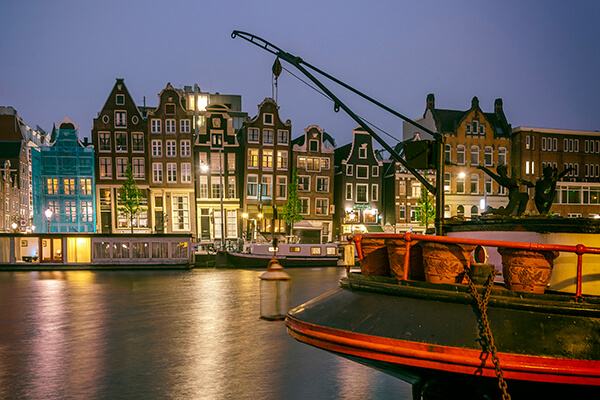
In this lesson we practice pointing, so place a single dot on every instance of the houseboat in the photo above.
(91, 251)
(289, 255)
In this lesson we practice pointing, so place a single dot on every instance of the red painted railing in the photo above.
(579, 249)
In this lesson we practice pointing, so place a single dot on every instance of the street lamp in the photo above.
(48, 213)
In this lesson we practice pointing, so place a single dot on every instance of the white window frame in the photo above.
(324, 207)
(185, 149)
(283, 137)
(155, 126)
(349, 189)
(157, 148)
(157, 172)
(171, 147)
(362, 168)
(170, 126)
(253, 135)
(171, 172)
(375, 192)
(366, 186)
(186, 172)
(184, 126)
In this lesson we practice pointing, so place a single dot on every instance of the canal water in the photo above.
(167, 335)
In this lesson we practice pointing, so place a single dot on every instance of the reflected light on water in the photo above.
(167, 335)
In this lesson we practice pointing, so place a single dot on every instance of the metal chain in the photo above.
(486, 332)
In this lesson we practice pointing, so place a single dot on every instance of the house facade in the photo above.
(577, 192)
(473, 138)
(119, 137)
(63, 182)
(217, 155)
(358, 187)
(265, 142)
(16, 140)
(170, 160)
(313, 156)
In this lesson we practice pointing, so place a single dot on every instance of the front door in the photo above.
(105, 221)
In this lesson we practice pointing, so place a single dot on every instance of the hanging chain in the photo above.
(486, 332)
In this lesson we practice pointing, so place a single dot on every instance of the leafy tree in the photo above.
(292, 208)
(130, 197)
(425, 212)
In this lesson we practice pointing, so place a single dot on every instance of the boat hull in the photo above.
(243, 260)
(417, 330)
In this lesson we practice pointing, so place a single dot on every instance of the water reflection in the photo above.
(167, 334)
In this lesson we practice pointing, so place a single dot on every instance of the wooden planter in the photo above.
(375, 257)
(396, 250)
(445, 262)
(527, 270)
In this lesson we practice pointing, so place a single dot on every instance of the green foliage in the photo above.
(292, 208)
(130, 197)
(425, 212)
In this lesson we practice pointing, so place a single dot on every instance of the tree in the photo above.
(130, 197)
(425, 212)
(292, 208)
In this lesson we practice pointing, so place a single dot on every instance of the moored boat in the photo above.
(288, 255)
(450, 335)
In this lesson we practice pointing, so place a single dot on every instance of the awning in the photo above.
(374, 228)
(304, 224)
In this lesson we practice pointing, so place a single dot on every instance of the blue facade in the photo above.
(63, 182)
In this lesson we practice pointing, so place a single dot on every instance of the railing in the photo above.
(579, 249)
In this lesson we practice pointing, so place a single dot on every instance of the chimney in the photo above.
(430, 101)
(498, 106)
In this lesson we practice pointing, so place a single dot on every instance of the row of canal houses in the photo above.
(207, 169)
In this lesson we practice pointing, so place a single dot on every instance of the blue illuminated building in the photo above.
(63, 182)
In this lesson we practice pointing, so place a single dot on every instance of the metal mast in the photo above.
(300, 64)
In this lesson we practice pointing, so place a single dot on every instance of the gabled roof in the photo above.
(447, 121)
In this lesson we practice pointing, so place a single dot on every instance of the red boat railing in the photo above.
(579, 249)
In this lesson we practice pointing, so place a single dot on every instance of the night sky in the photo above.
(60, 58)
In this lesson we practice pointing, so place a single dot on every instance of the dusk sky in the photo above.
(61, 58)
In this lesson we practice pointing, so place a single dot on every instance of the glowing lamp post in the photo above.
(275, 292)
(48, 213)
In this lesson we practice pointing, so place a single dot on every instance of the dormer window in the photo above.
(217, 140)
(268, 119)
(362, 151)
(121, 119)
